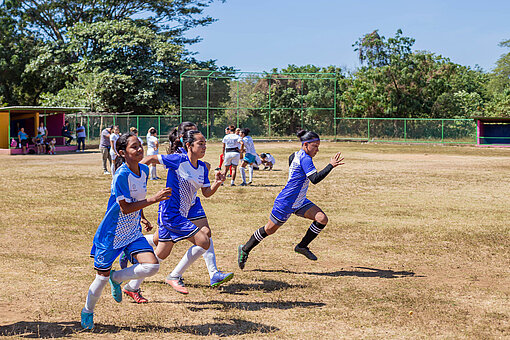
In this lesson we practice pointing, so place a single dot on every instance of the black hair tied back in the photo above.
(121, 145)
(307, 136)
(189, 137)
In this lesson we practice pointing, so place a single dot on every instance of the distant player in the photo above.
(231, 150)
(120, 229)
(250, 156)
(267, 160)
(292, 199)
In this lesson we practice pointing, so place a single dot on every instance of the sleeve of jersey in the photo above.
(121, 188)
(308, 167)
(207, 183)
(170, 161)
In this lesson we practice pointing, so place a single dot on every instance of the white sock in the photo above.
(193, 253)
(153, 171)
(150, 239)
(250, 170)
(133, 285)
(243, 174)
(112, 168)
(232, 181)
(95, 290)
(136, 271)
(210, 259)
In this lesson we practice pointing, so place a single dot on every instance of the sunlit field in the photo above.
(417, 246)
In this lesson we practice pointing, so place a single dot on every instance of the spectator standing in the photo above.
(51, 144)
(66, 132)
(113, 147)
(23, 140)
(152, 149)
(80, 135)
(134, 131)
(104, 147)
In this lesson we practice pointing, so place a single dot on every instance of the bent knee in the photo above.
(149, 269)
(321, 218)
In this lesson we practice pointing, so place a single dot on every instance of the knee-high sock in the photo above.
(243, 174)
(311, 234)
(210, 259)
(95, 290)
(135, 284)
(153, 171)
(255, 239)
(193, 253)
(250, 170)
(150, 239)
(136, 271)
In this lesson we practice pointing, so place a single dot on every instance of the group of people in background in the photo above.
(238, 146)
(181, 215)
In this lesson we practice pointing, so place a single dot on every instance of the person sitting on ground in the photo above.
(23, 140)
(268, 160)
(66, 132)
(80, 135)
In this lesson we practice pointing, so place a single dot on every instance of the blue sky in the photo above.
(258, 35)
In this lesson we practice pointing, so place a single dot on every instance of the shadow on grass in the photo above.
(266, 185)
(366, 272)
(197, 306)
(221, 328)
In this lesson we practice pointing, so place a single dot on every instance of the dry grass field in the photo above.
(417, 246)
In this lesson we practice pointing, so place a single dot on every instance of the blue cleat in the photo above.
(87, 320)
(116, 288)
(219, 278)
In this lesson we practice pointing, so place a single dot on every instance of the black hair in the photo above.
(174, 137)
(153, 131)
(121, 144)
(262, 155)
(305, 136)
(232, 128)
(189, 137)
(245, 131)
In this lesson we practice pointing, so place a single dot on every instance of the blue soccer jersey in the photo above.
(294, 194)
(185, 180)
(118, 229)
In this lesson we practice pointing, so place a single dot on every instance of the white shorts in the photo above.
(231, 158)
(151, 152)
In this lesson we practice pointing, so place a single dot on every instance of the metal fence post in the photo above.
(405, 129)
(368, 128)
(269, 113)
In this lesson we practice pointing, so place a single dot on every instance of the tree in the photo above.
(500, 77)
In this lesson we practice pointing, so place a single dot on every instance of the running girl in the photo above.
(186, 174)
(249, 157)
(292, 199)
(120, 229)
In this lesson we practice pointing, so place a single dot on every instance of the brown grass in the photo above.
(417, 247)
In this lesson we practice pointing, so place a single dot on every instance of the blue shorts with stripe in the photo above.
(179, 229)
(280, 216)
(104, 258)
(196, 211)
(250, 158)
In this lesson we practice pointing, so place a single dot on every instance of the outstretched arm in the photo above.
(130, 207)
(319, 176)
(150, 160)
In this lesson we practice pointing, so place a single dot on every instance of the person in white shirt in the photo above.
(250, 156)
(115, 134)
(152, 149)
(42, 129)
(231, 150)
(134, 131)
(268, 160)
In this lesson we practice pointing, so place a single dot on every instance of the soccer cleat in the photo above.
(232, 184)
(177, 284)
(243, 184)
(123, 261)
(136, 295)
(305, 251)
(116, 288)
(106, 173)
(242, 256)
(87, 320)
(219, 278)
(250, 182)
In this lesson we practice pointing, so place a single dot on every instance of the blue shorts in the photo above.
(196, 211)
(104, 258)
(250, 158)
(279, 217)
(180, 229)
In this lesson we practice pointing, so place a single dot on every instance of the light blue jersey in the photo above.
(249, 146)
(185, 180)
(294, 194)
(117, 229)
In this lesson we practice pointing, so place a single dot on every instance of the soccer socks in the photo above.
(193, 253)
(136, 271)
(243, 174)
(150, 239)
(311, 234)
(210, 259)
(250, 170)
(255, 239)
(95, 290)
(153, 171)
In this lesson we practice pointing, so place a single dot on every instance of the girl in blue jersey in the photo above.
(292, 199)
(120, 229)
(196, 214)
(186, 174)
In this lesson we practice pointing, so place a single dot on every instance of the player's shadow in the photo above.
(220, 328)
(198, 306)
(362, 272)
(266, 185)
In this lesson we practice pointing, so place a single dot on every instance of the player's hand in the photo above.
(337, 160)
(219, 177)
(162, 195)
(146, 224)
